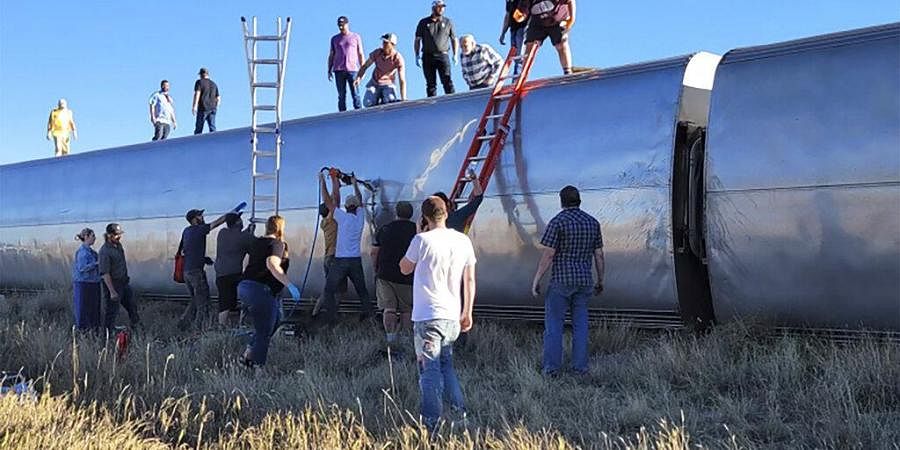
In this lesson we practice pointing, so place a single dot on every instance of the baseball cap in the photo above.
(203, 71)
(114, 228)
(389, 37)
(352, 200)
(437, 3)
(193, 213)
(342, 20)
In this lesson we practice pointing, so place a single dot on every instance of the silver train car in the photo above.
(765, 185)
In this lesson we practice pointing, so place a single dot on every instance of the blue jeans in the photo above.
(126, 299)
(343, 79)
(437, 377)
(559, 299)
(517, 40)
(86, 305)
(205, 116)
(339, 271)
(380, 95)
(265, 311)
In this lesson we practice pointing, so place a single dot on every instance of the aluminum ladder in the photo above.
(487, 145)
(266, 93)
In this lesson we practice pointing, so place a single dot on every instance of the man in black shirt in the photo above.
(114, 272)
(393, 289)
(435, 36)
(458, 218)
(206, 101)
(193, 247)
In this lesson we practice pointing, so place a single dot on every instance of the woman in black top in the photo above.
(260, 289)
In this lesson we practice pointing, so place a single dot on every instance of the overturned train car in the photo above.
(773, 194)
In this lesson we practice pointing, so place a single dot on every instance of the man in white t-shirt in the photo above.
(442, 259)
(347, 257)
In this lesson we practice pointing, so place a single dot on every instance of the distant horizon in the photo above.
(107, 86)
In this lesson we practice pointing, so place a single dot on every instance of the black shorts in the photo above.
(227, 286)
(537, 32)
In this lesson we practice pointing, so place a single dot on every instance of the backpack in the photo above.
(549, 12)
(178, 274)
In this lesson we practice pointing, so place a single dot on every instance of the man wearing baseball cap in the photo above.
(389, 66)
(344, 58)
(193, 247)
(206, 102)
(348, 260)
(434, 37)
(114, 272)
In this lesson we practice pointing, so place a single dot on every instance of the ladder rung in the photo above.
(264, 154)
(266, 61)
(265, 107)
(266, 38)
(265, 130)
(503, 96)
(265, 176)
(264, 198)
(265, 85)
(512, 77)
(486, 137)
(476, 158)
(258, 220)
(518, 57)
(494, 116)
(461, 200)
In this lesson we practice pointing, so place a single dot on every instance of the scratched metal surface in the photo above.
(608, 133)
(803, 182)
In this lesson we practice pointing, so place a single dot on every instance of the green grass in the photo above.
(734, 388)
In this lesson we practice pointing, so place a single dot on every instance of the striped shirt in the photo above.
(481, 67)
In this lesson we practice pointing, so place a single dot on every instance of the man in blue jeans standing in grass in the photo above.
(443, 261)
(572, 242)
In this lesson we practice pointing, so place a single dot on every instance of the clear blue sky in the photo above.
(106, 57)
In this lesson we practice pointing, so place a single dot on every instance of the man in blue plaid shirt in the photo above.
(572, 242)
(481, 64)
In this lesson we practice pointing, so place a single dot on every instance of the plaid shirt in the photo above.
(575, 235)
(482, 66)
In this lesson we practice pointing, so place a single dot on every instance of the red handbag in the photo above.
(178, 275)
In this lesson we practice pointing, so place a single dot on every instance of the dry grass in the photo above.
(731, 389)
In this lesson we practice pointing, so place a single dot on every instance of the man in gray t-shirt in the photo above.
(114, 272)
(232, 245)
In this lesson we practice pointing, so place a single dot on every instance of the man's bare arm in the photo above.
(406, 266)
(326, 197)
(335, 191)
(466, 320)
(107, 278)
(545, 262)
(600, 267)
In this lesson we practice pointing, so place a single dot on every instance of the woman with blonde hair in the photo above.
(86, 282)
(260, 289)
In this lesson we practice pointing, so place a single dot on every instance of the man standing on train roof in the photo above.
(389, 66)
(162, 112)
(553, 19)
(514, 21)
(345, 56)
(60, 125)
(572, 241)
(481, 64)
(434, 37)
(206, 102)
(193, 247)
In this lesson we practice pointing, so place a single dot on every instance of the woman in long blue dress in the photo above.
(86, 283)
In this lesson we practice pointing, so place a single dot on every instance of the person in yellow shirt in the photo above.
(59, 126)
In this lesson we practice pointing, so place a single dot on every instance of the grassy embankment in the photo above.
(730, 389)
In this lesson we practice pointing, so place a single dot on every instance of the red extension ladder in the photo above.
(498, 115)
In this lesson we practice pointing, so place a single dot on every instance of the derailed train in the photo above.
(773, 195)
